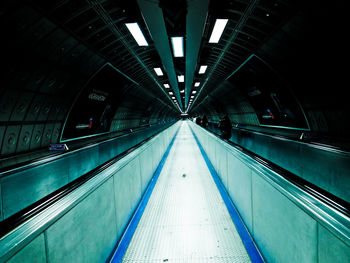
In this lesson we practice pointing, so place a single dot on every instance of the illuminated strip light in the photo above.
(137, 33)
(194, 92)
(181, 78)
(158, 71)
(171, 93)
(218, 29)
(182, 91)
(202, 69)
(197, 84)
(178, 46)
(166, 86)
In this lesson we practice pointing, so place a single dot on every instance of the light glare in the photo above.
(158, 71)
(178, 46)
(137, 34)
(218, 29)
(181, 78)
(202, 69)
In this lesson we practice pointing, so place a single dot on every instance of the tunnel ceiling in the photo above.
(100, 26)
(52, 49)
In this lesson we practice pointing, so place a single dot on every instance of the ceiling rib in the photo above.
(195, 23)
(96, 5)
(249, 10)
(154, 19)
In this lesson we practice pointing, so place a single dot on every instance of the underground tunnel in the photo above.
(174, 131)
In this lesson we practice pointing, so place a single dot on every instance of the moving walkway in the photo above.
(186, 196)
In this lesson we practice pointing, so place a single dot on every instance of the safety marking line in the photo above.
(130, 230)
(242, 230)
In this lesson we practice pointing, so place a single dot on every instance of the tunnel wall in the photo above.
(282, 228)
(46, 66)
(91, 225)
(22, 188)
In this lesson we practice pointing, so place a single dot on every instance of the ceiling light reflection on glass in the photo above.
(202, 69)
(178, 46)
(181, 78)
(197, 84)
(137, 33)
(158, 71)
(218, 29)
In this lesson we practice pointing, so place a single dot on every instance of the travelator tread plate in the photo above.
(186, 219)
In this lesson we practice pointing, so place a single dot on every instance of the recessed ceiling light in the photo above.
(158, 71)
(197, 84)
(173, 98)
(178, 46)
(181, 78)
(166, 86)
(218, 29)
(182, 91)
(202, 69)
(192, 97)
(171, 93)
(194, 92)
(137, 33)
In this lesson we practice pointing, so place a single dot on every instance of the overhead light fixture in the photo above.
(178, 46)
(181, 78)
(194, 92)
(197, 84)
(166, 86)
(158, 71)
(192, 97)
(202, 69)
(173, 98)
(218, 29)
(171, 93)
(137, 33)
(182, 91)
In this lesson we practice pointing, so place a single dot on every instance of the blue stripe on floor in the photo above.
(130, 230)
(247, 240)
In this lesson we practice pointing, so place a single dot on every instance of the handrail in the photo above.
(52, 157)
(329, 209)
(318, 145)
(34, 209)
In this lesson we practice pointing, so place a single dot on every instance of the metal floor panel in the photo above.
(186, 219)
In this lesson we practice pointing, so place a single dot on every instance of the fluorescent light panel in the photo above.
(194, 92)
(158, 71)
(166, 86)
(202, 69)
(218, 29)
(137, 33)
(197, 84)
(178, 46)
(181, 78)
(171, 93)
(182, 91)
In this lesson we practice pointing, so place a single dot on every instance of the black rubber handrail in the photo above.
(333, 201)
(344, 150)
(54, 156)
(25, 214)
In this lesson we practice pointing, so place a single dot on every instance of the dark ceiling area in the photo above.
(52, 50)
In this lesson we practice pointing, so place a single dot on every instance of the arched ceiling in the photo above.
(52, 48)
